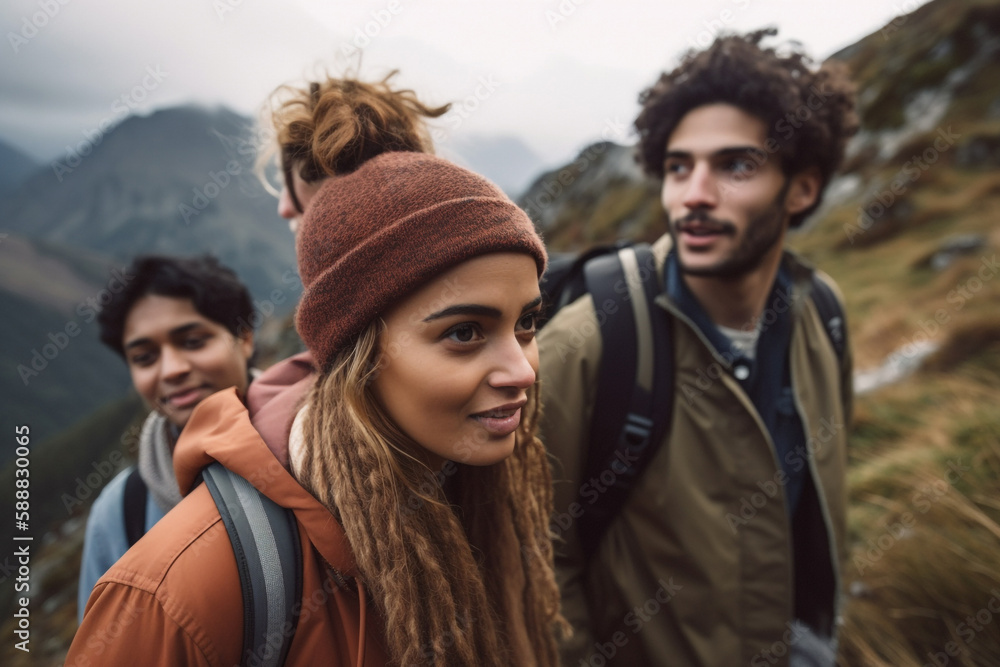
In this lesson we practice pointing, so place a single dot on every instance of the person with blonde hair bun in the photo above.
(331, 127)
(420, 490)
(322, 130)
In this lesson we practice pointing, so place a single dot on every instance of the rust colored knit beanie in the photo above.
(373, 236)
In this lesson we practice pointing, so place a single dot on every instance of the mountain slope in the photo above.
(505, 160)
(57, 369)
(15, 167)
(178, 181)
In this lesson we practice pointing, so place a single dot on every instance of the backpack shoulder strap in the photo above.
(564, 279)
(265, 540)
(134, 506)
(634, 398)
(830, 313)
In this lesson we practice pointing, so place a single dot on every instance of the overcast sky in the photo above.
(558, 74)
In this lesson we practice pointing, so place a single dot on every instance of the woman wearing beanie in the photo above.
(421, 493)
(326, 129)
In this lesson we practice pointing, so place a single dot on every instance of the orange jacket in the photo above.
(175, 597)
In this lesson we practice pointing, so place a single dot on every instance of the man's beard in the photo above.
(762, 233)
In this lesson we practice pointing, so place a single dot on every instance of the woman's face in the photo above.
(458, 356)
(304, 190)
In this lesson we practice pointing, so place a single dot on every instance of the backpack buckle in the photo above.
(637, 431)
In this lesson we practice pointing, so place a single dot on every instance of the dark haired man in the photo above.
(727, 550)
(183, 328)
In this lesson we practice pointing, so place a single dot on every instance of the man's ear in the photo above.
(803, 190)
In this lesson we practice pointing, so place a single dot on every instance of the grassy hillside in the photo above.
(924, 478)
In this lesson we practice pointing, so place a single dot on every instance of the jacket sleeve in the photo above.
(105, 540)
(125, 626)
(569, 352)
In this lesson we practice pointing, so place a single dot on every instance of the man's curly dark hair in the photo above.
(809, 114)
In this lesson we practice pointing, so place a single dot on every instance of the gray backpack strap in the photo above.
(265, 541)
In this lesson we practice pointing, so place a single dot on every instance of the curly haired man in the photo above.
(727, 550)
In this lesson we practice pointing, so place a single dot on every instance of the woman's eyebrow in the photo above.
(465, 309)
(476, 309)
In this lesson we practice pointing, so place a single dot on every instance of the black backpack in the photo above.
(265, 540)
(636, 372)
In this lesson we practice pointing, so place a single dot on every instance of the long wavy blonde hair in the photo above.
(458, 561)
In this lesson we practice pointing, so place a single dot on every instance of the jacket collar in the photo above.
(220, 430)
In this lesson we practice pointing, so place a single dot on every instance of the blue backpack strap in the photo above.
(830, 313)
(265, 541)
(634, 397)
(134, 506)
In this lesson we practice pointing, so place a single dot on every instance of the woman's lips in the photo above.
(499, 422)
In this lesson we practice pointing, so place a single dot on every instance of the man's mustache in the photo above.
(702, 221)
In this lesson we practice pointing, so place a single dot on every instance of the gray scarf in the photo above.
(156, 461)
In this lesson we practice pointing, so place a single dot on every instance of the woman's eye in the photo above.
(462, 333)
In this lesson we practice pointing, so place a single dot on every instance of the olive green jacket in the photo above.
(697, 569)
